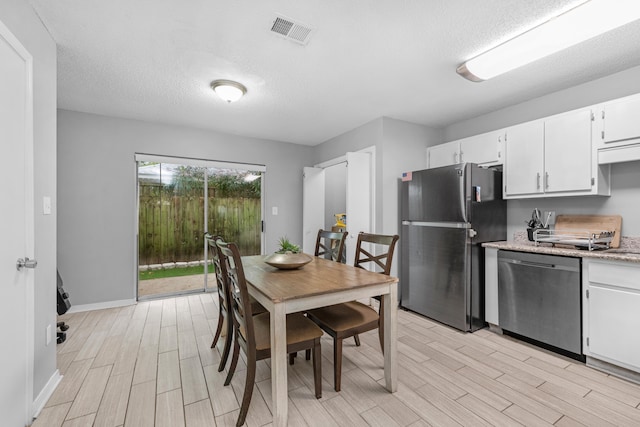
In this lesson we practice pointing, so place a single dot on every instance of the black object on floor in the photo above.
(63, 307)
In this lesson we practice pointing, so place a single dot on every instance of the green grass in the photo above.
(173, 272)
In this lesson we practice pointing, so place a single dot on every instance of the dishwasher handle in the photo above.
(538, 264)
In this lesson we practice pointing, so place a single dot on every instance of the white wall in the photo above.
(625, 177)
(96, 175)
(19, 17)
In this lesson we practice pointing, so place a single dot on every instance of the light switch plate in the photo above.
(274, 210)
(46, 205)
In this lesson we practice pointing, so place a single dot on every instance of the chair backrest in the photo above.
(231, 268)
(385, 245)
(330, 245)
(221, 280)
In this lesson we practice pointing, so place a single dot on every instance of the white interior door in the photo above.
(312, 207)
(16, 229)
(359, 207)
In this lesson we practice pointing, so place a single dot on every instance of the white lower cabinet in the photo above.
(611, 312)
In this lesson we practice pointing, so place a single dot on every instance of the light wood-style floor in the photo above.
(151, 365)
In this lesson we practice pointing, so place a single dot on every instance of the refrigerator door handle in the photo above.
(438, 224)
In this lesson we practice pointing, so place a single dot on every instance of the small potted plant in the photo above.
(286, 247)
(288, 256)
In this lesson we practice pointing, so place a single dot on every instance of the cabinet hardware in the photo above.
(593, 116)
(602, 134)
(587, 341)
(455, 157)
(538, 180)
(587, 293)
(603, 114)
(546, 180)
(593, 181)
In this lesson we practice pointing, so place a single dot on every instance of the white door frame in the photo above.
(29, 219)
(343, 159)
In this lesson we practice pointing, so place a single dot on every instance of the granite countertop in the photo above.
(629, 249)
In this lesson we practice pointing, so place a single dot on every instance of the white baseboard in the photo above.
(46, 393)
(101, 305)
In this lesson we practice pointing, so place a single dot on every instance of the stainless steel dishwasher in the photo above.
(539, 297)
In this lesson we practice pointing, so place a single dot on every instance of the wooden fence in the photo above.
(171, 227)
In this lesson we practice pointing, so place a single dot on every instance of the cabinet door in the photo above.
(524, 159)
(443, 154)
(567, 152)
(613, 325)
(482, 149)
(621, 119)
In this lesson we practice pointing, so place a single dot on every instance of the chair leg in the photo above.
(337, 363)
(381, 325)
(307, 354)
(227, 346)
(218, 330)
(356, 338)
(248, 389)
(234, 362)
(317, 367)
(292, 358)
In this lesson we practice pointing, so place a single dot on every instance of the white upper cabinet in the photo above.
(484, 149)
(553, 156)
(443, 155)
(621, 119)
(567, 156)
(618, 130)
(524, 160)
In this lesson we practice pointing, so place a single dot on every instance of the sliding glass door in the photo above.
(179, 200)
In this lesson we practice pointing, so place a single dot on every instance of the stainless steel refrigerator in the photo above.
(446, 214)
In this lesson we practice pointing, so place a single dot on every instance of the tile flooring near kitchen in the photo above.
(150, 364)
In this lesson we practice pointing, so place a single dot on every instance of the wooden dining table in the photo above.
(319, 283)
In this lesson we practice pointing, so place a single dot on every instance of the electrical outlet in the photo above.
(274, 210)
(49, 334)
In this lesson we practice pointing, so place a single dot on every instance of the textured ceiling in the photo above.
(153, 60)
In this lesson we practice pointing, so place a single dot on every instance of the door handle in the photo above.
(26, 263)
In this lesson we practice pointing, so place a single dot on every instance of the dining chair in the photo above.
(224, 303)
(352, 318)
(330, 245)
(252, 333)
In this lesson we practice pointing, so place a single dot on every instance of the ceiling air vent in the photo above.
(291, 30)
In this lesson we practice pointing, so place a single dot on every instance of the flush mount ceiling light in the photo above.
(587, 20)
(228, 90)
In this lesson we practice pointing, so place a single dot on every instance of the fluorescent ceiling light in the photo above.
(228, 90)
(576, 25)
